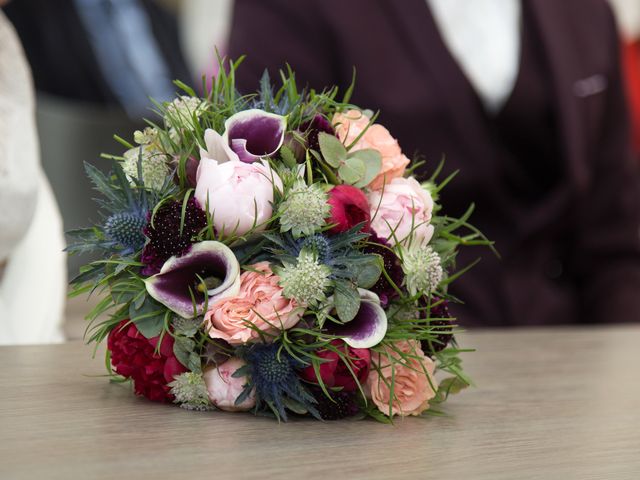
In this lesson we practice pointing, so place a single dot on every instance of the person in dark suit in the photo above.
(524, 98)
(104, 52)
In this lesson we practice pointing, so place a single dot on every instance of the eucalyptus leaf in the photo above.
(332, 149)
(372, 162)
(352, 171)
(368, 274)
(347, 300)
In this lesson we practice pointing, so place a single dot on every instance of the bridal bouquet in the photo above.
(274, 253)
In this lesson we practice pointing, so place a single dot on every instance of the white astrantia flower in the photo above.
(422, 267)
(305, 281)
(305, 209)
(148, 136)
(154, 166)
(190, 392)
(184, 108)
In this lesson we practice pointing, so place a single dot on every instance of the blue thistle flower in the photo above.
(272, 373)
(125, 228)
(319, 244)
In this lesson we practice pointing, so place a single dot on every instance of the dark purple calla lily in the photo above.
(209, 266)
(254, 134)
(367, 328)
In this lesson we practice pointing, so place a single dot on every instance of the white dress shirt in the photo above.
(483, 36)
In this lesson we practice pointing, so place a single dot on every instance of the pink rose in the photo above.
(223, 388)
(260, 304)
(414, 383)
(401, 210)
(351, 124)
(239, 195)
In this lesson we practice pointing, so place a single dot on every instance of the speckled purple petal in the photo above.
(254, 134)
(179, 277)
(367, 328)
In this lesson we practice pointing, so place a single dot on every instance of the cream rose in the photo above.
(223, 388)
(259, 305)
(351, 124)
(414, 383)
(402, 210)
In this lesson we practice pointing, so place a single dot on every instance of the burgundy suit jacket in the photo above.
(574, 255)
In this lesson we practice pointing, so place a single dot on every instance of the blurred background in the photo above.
(95, 63)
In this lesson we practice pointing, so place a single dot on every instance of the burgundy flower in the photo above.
(165, 237)
(134, 356)
(441, 323)
(335, 372)
(392, 266)
(312, 128)
(349, 207)
(341, 404)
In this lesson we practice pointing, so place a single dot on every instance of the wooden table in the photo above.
(549, 404)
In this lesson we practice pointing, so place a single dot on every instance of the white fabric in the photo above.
(628, 16)
(33, 283)
(484, 38)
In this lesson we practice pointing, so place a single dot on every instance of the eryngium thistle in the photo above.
(304, 210)
(273, 375)
(190, 392)
(126, 229)
(306, 281)
(422, 268)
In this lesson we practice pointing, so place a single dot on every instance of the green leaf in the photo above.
(149, 318)
(288, 158)
(182, 349)
(332, 149)
(352, 171)
(294, 406)
(368, 274)
(347, 300)
(372, 163)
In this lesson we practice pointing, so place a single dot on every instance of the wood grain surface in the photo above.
(549, 404)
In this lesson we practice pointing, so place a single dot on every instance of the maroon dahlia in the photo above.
(134, 356)
(166, 239)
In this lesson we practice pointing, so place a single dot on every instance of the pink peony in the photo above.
(351, 124)
(223, 388)
(414, 383)
(402, 209)
(259, 305)
(239, 195)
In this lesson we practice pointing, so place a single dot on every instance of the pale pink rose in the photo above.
(260, 304)
(239, 195)
(351, 124)
(414, 383)
(223, 388)
(402, 209)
